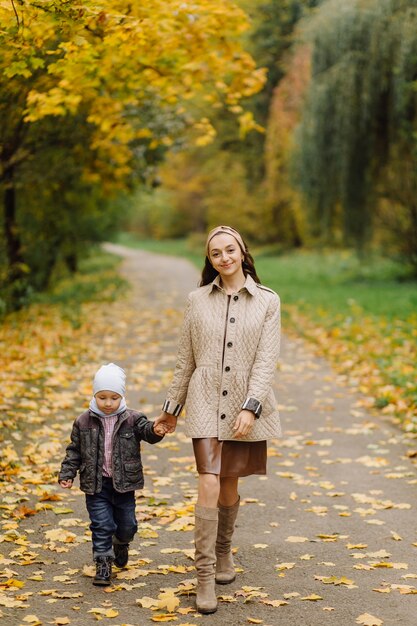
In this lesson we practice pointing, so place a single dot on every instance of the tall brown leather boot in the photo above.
(225, 568)
(206, 520)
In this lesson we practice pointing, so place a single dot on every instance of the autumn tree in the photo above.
(357, 140)
(120, 80)
(284, 211)
(227, 177)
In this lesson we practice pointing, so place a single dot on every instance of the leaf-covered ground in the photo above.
(375, 354)
(329, 536)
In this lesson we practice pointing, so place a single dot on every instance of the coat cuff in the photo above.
(154, 437)
(252, 404)
(174, 408)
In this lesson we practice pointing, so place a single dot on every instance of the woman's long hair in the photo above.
(248, 265)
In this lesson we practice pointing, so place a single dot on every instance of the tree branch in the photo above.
(16, 14)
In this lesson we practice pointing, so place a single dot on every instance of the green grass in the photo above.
(337, 282)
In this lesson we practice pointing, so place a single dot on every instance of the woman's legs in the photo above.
(206, 521)
(213, 490)
(213, 536)
(228, 495)
(228, 510)
(208, 490)
(217, 505)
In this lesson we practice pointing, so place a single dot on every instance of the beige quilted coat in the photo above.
(227, 358)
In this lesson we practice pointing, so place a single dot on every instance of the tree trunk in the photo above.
(17, 284)
(71, 261)
(13, 245)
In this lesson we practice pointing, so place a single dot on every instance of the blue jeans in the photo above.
(112, 516)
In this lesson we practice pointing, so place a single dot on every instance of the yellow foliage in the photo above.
(107, 61)
(248, 123)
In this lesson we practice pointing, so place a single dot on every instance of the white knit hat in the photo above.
(110, 377)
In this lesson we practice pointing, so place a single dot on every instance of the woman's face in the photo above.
(225, 255)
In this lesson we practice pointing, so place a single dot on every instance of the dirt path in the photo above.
(328, 537)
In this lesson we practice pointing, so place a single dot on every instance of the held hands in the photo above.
(160, 429)
(66, 484)
(167, 421)
(243, 424)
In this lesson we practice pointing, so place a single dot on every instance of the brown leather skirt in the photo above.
(229, 458)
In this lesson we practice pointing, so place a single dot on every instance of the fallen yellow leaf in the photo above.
(104, 612)
(405, 589)
(366, 619)
(396, 536)
(168, 600)
(32, 619)
(334, 580)
(275, 603)
(147, 603)
(12, 582)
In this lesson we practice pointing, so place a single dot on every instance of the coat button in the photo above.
(223, 416)
(232, 320)
(227, 368)
(229, 344)
(235, 298)
(224, 392)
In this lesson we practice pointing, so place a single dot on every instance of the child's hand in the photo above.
(160, 429)
(66, 484)
(168, 421)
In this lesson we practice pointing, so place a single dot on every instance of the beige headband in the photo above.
(228, 230)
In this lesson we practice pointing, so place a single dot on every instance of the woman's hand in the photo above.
(243, 424)
(168, 421)
(160, 429)
(66, 484)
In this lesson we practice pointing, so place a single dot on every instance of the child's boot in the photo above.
(121, 552)
(103, 571)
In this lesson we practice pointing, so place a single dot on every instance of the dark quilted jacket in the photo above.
(86, 451)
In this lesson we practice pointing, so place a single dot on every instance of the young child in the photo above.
(105, 448)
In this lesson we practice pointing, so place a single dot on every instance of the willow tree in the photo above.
(360, 118)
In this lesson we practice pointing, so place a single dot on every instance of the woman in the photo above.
(227, 356)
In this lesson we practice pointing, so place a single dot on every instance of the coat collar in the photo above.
(249, 285)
